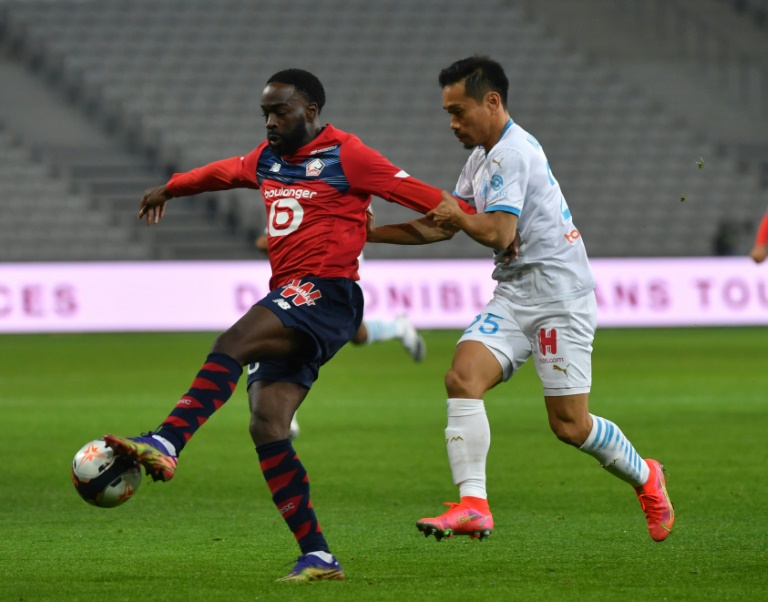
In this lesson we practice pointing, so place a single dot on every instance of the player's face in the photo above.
(471, 121)
(287, 114)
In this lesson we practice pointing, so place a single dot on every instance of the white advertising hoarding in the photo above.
(211, 295)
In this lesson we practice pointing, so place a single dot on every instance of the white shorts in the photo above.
(559, 335)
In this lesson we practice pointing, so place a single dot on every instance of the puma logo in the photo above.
(496, 162)
(559, 369)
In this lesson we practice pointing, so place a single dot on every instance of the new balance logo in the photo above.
(282, 303)
(453, 439)
(302, 293)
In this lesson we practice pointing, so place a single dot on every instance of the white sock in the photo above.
(608, 445)
(325, 556)
(468, 438)
(167, 444)
(380, 330)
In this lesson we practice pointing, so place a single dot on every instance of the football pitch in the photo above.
(372, 442)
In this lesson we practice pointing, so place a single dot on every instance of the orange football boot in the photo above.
(470, 517)
(654, 499)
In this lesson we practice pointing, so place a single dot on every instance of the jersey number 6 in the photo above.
(285, 216)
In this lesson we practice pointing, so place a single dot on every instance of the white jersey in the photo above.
(515, 177)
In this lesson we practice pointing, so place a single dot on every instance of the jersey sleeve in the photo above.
(508, 181)
(235, 172)
(370, 173)
(463, 189)
(762, 232)
(367, 170)
(421, 197)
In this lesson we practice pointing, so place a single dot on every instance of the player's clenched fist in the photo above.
(444, 212)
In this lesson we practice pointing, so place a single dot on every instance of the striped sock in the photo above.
(212, 387)
(289, 484)
(379, 330)
(608, 445)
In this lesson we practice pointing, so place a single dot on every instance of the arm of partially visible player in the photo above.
(420, 231)
(494, 229)
(421, 197)
(759, 250)
(219, 175)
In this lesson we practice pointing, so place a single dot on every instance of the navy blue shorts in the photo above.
(329, 310)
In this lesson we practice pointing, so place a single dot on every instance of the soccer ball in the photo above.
(101, 478)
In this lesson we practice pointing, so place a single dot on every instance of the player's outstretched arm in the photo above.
(420, 231)
(236, 172)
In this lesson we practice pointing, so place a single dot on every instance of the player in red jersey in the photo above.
(316, 183)
(760, 249)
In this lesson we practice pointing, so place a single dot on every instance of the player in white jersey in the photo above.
(543, 306)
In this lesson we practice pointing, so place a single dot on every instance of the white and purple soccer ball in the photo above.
(101, 478)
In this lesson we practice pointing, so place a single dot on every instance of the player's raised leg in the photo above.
(257, 335)
(571, 421)
(374, 331)
(273, 404)
(475, 370)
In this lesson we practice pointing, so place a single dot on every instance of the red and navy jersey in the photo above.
(316, 200)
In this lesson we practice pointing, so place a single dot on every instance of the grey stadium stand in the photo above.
(180, 81)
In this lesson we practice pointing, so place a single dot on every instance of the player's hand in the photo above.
(153, 204)
(444, 213)
(262, 243)
(759, 253)
(512, 252)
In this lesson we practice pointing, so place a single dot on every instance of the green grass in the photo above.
(373, 445)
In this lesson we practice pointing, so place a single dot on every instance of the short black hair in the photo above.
(304, 82)
(481, 75)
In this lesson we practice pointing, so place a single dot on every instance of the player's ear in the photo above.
(311, 112)
(493, 100)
